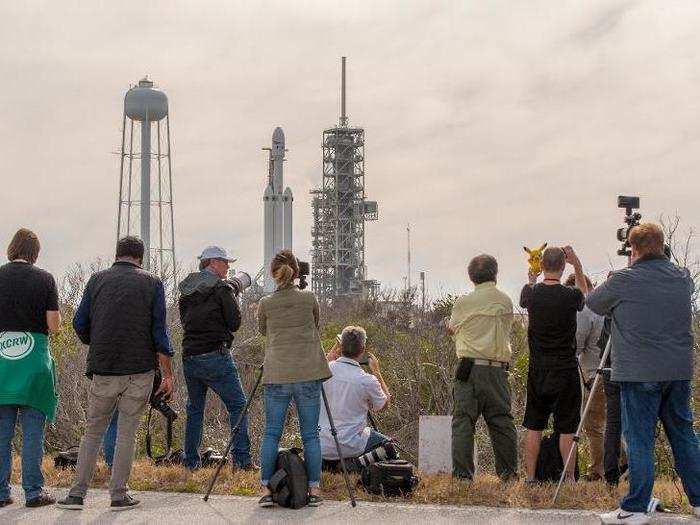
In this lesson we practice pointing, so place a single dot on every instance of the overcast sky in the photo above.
(489, 125)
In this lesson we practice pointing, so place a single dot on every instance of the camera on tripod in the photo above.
(632, 219)
(304, 270)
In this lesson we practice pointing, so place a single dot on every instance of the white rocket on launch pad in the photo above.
(277, 204)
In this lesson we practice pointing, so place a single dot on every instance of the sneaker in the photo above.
(42, 500)
(622, 517)
(6, 502)
(126, 503)
(266, 501)
(696, 511)
(314, 501)
(71, 503)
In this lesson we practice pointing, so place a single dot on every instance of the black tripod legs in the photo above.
(337, 446)
(234, 432)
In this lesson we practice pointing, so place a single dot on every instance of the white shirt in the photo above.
(351, 393)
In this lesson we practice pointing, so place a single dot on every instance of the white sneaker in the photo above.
(622, 517)
(696, 511)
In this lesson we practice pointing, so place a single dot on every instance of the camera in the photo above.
(381, 453)
(631, 220)
(304, 270)
(239, 282)
(158, 402)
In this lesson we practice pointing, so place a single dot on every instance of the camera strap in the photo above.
(168, 437)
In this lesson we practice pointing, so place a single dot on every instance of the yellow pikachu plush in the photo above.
(535, 258)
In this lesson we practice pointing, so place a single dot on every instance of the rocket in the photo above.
(277, 206)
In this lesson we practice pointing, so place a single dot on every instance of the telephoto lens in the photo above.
(240, 282)
(381, 453)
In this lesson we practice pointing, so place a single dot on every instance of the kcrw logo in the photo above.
(16, 345)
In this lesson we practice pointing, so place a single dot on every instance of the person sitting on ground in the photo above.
(28, 313)
(351, 394)
(588, 329)
(651, 305)
(481, 322)
(553, 384)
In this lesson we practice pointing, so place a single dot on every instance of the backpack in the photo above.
(289, 484)
(67, 458)
(393, 477)
(549, 462)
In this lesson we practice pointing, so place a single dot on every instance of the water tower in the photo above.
(146, 201)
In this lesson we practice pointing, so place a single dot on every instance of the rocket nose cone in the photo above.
(278, 135)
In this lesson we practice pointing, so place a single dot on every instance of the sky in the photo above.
(489, 125)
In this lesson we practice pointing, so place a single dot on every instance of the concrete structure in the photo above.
(340, 211)
(277, 206)
(145, 202)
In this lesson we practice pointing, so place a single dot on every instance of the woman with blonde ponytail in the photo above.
(294, 368)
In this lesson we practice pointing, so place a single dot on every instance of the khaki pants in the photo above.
(486, 393)
(128, 394)
(594, 426)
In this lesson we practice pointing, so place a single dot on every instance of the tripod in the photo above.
(237, 427)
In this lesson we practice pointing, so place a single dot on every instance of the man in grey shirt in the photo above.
(588, 329)
(652, 359)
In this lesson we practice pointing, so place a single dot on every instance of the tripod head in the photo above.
(631, 220)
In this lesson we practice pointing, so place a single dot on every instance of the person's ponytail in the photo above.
(284, 268)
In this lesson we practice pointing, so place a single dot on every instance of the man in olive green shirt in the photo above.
(480, 324)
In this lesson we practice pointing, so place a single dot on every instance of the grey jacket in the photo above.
(650, 304)
(588, 329)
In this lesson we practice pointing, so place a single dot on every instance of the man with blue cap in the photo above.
(210, 315)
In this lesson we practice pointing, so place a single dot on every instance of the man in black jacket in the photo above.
(210, 315)
(122, 317)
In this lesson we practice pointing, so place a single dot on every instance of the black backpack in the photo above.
(549, 462)
(393, 477)
(289, 484)
(67, 458)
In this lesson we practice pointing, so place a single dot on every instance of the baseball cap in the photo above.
(215, 252)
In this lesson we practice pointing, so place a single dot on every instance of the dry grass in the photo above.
(486, 490)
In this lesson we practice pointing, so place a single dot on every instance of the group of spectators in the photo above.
(645, 311)
(122, 318)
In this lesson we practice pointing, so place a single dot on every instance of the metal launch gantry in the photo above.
(339, 214)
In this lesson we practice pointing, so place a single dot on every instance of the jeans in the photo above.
(307, 398)
(614, 454)
(643, 404)
(33, 423)
(110, 439)
(375, 439)
(217, 371)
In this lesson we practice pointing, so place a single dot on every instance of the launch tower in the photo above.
(339, 213)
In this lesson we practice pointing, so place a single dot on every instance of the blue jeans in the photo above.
(375, 439)
(33, 423)
(109, 439)
(307, 398)
(643, 404)
(217, 371)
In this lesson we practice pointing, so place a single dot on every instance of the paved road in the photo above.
(173, 508)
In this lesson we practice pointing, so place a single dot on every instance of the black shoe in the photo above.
(250, 467)
(42, 500)
(266, 501)
(314, 501)
(6, 502)
(71, 503)
(124, 504)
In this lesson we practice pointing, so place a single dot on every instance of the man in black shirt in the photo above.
(553, 386)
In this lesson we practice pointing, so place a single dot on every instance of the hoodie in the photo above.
(209, 313)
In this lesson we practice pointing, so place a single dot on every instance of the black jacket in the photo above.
(209, 313)
(122, 317)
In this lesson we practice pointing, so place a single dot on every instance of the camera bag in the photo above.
(549, 462)
(67, 458)
(289, 484)
(394, 477)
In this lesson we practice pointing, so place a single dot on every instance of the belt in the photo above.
(489, 362)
